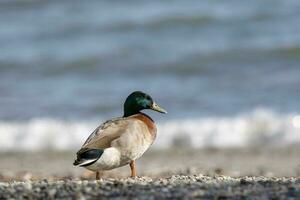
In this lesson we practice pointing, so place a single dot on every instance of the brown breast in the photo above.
(149, 122)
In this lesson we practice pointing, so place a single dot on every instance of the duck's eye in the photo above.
(148, 98)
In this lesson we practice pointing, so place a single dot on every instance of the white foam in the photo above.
(257, 128)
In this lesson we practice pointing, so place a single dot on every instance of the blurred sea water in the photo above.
(67, 65)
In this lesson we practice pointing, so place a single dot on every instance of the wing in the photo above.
(100, 139)
(103, 135)
(100, 129)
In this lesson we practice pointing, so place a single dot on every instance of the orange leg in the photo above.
(133, 168)
(97, 175)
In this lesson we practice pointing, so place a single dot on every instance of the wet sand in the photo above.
(206, 173)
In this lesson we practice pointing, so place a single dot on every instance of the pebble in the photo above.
(174, 187)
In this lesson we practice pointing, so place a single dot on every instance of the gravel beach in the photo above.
(174, 187)
(165, 174)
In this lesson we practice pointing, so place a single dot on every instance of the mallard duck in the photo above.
(120, 141)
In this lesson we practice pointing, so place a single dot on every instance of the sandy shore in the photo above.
(168, 174)
(156, 164)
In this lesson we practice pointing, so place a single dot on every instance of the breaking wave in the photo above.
(259, 127)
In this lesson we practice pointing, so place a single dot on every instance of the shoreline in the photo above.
(280, 162)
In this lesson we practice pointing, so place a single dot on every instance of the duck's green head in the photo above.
(138, 101)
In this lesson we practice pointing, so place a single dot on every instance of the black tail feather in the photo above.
(86, 154)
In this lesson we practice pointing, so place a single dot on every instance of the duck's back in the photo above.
(104, 134)
(140, 125)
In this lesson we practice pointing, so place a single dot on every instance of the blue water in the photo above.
(228, 72)
(78, 60)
